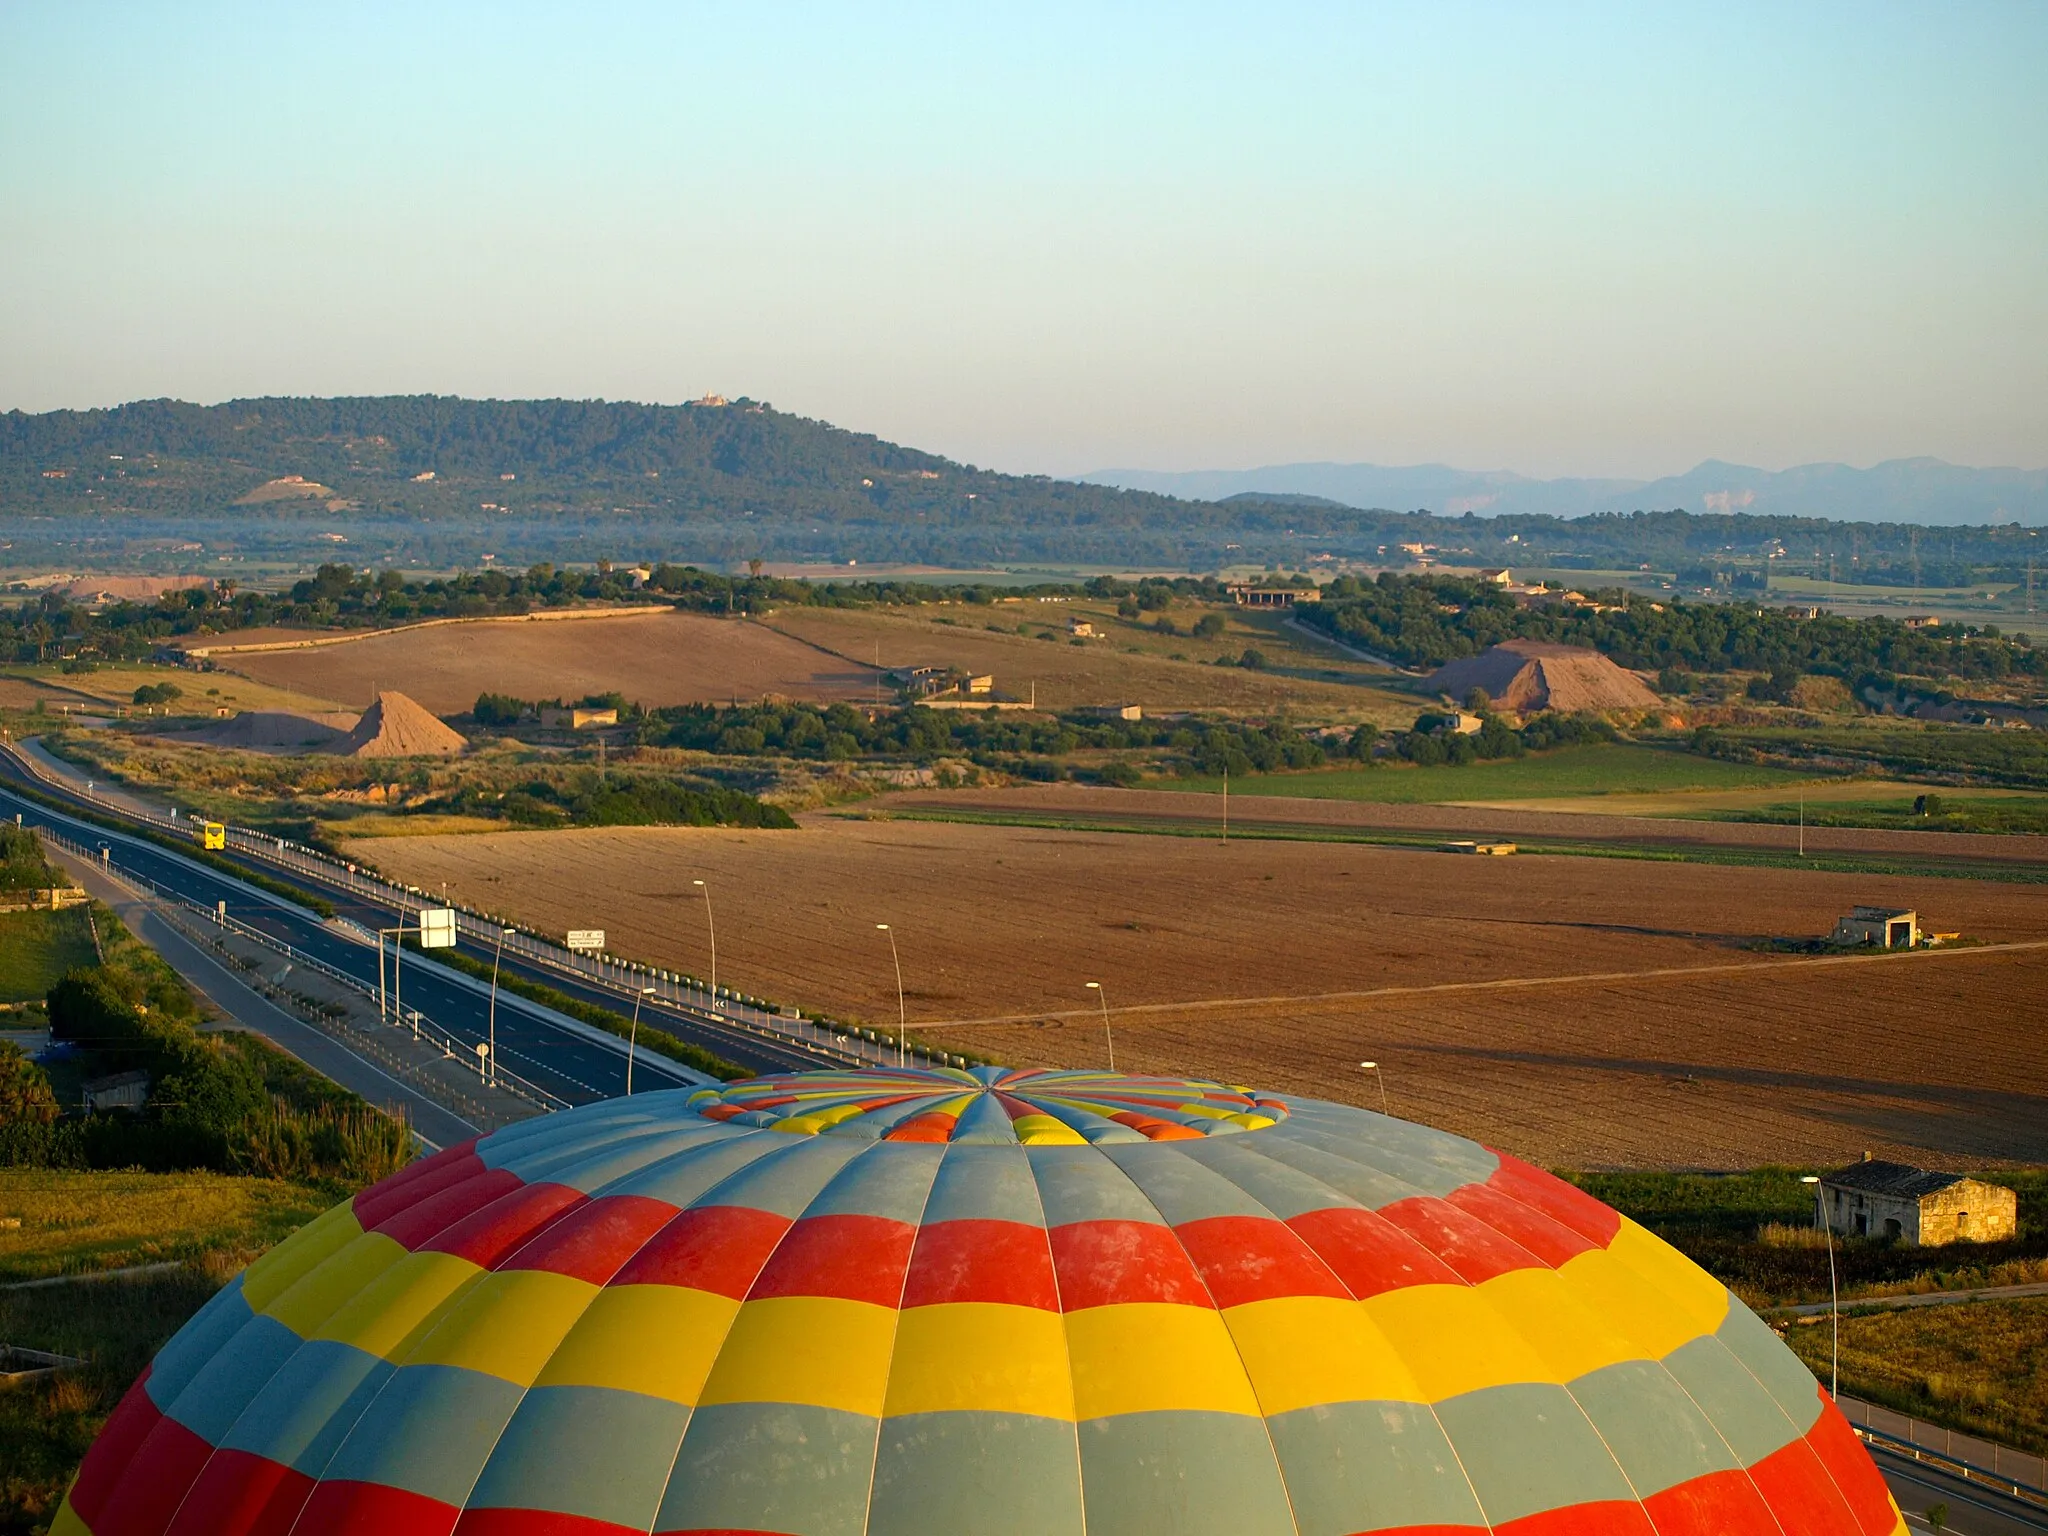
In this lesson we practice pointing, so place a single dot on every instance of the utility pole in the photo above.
(1226, 802)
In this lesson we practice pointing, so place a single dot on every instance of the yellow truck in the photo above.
(212, 835)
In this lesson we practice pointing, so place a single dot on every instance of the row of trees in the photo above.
(1425, 621)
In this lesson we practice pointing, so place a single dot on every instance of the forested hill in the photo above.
(438, 481)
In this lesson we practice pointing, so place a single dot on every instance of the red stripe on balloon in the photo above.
(119, 1439)
(1102, 1263)
(486, 1236)
(416, 1181)
(1255, 1258)
(1855, 1475)
(1464, 1242)
(371, 1509)
(855, 1258)
(241, 1494)
(718, 1248)
(1719, 1504)
(415, 1224)
(1369, 1253)
(973, 1260)
(592, 1242)
(154, 1482)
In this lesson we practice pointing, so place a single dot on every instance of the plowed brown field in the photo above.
(652, 658)
(1581, 1011)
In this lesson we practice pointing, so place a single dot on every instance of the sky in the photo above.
(1561, 239)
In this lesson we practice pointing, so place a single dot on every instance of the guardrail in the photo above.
(452, 1045)
(672, 991)
(2018, 1473)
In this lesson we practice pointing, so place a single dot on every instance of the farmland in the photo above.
(1026, 647)
(1609, 768)
(1579, 1011)
(654, 659)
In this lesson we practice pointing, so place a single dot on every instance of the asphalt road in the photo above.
(227, 991)
(576, 1075)
(567, 1063)
(1973, 1509)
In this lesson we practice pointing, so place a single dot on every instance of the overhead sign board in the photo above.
(437, 928)
(588, 941)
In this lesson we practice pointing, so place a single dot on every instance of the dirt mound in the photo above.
(1528, 675)
(133, 589)
(272, 730)
(394, 726)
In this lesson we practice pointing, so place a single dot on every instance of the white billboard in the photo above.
(437, 928)
(588, 941)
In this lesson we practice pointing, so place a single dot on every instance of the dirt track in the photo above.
(1728, 1057)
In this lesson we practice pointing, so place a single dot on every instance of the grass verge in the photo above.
(75, 1222)
(1980, 1366)
(38, 947)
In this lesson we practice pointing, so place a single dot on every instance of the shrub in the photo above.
(26, 1097)
(1208, 626)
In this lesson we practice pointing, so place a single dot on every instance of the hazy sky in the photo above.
(1561, 239)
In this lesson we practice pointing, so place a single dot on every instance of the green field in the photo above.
(76, 1222)
(1960, 812)
(38, 947)
(1616, 769)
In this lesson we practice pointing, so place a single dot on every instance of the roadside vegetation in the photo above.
(1980, 1367)
(1755, 1231)
(228, 1101)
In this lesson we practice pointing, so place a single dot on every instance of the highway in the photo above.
(1973, 1508)
(572, 1062)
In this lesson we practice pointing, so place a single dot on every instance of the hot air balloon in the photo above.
(990, 1302)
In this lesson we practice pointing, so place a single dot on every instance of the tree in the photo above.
(26, 1097)
(1208, 626)
(1479, 701)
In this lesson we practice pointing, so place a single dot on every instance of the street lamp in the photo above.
(633, 1039)
(902, 1018)
(1107, 1039)
(503, 934)
(711, 928)
(1820, 1207)
(1374, 1068)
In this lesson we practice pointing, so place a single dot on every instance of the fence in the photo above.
(719, 1007)
(2019, 1473)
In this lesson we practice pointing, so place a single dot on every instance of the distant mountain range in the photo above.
(1925, 491)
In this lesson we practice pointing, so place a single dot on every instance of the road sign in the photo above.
(437, 927)
(588, 941)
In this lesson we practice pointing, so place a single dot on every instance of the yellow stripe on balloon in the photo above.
(978, 1356)
(1303, 1351)
(1142, 1357)
(506, 1325)
(385, 1316)
(822, 1350)
(67, 1522)
(305, 1250)
(659, 1340)
(307, 1304)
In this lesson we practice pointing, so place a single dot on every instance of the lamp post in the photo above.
(1107, 1039)
(1374, 1068)
(633, 1039)
(902, 1018)
(503, 934)
(1827, 1228)
(711, 928)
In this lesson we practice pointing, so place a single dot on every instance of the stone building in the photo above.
(1914, 1205)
